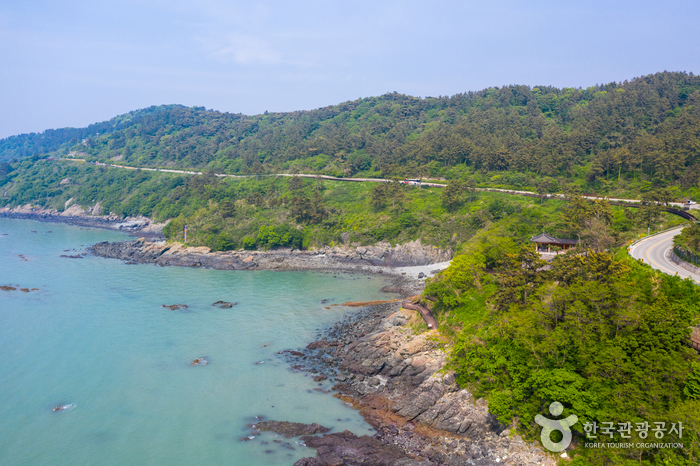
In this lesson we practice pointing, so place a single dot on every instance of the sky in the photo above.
(73, 63)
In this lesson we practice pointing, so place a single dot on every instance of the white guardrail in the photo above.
(630, 247)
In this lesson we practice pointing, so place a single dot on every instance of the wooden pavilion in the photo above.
(545, 242)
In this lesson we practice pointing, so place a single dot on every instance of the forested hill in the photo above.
(648, 128)
(51, 140)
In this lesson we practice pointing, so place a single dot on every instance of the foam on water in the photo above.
(62, 408)
(93, 335)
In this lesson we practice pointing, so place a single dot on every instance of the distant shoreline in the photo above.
(412, 260)
(134, 226)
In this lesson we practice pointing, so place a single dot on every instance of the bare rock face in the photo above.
(394, 377)
(346, 258)
(347, 448)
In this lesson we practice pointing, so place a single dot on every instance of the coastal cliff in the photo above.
(394, 376)
(346, 258)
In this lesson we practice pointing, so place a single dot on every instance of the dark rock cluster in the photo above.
(289, 429)
(174, 307)
(224, 304)
(347, 448)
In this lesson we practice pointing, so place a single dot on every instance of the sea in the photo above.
(91, 336)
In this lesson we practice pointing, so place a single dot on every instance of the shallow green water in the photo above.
(94, 335)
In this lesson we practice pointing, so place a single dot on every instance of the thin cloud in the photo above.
(249, 49)
(241, 48)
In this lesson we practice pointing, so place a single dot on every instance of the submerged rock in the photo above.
(174, 307)
(60, 408)
(224, 304)
(289, 429)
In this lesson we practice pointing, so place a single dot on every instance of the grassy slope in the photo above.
(417, 213)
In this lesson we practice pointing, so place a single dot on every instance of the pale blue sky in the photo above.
(72, 63)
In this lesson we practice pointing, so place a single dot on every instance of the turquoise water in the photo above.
(94, 335)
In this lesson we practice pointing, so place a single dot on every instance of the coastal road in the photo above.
(653, 251)
(366, 180)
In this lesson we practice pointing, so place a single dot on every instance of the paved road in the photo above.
(653, 251)
(370, 180)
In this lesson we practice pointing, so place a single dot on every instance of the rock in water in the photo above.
(60, 408)
(289, 429)
(224, 304)
(174, 307)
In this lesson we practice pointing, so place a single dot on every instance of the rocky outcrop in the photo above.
(289, 429)
(394, 377)
(347, 448)
(347, 258)
(87, 217)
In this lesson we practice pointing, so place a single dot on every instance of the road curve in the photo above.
(653, 251)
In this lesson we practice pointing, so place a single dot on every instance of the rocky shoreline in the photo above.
(377, 360)
(376, 259)
(380, 358)
(76, 215)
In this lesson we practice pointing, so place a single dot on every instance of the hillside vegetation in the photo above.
(622, 138)
(602, 334)
(638, 139)
(25, 145)
(225, 213)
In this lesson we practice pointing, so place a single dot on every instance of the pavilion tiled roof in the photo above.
(548, 239)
